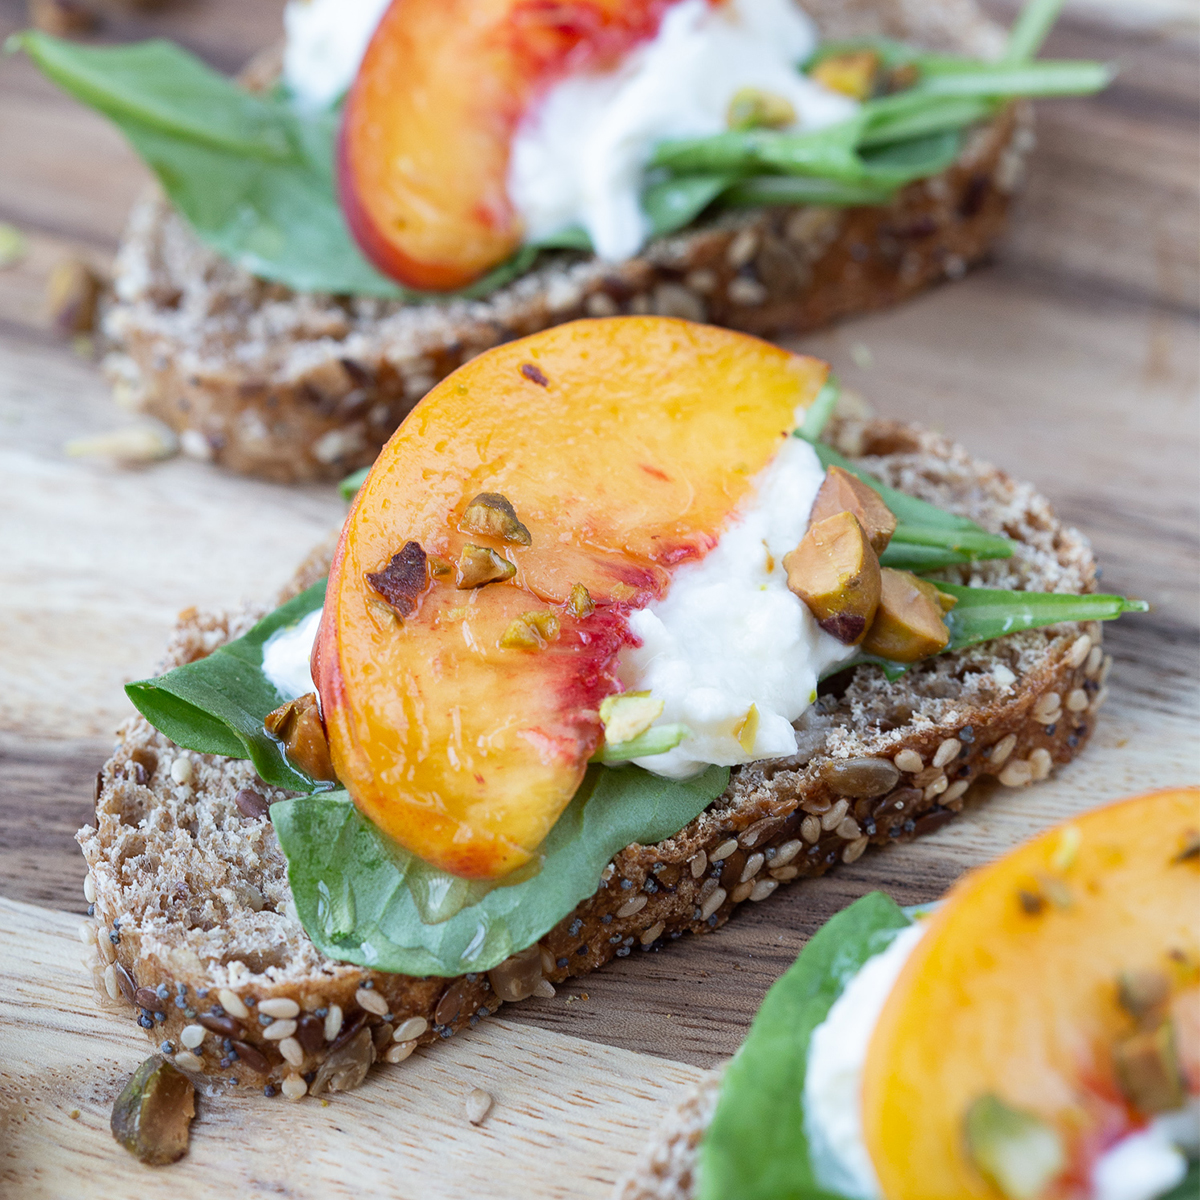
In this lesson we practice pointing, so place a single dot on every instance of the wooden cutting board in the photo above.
(1071, 361)
(568, 1114)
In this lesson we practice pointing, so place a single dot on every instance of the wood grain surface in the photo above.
(1070, 360)
(567, 1114)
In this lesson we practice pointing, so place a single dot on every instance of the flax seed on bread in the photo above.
(194, 923)
(301, 386)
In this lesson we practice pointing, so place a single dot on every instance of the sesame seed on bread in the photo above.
(194, 920)
(301, 386)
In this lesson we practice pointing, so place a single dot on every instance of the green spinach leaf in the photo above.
(252, 175)
(755, 1148)
(364, 899)
(216, 705)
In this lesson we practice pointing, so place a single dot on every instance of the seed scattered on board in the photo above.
(479, 1104)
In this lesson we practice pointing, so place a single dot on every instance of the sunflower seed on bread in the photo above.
(192, 902)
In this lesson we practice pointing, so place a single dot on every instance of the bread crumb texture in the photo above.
(665, 1168)
(189, 886)
(294, 386)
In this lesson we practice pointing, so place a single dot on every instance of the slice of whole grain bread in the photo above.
(195, 928)
(299, 386)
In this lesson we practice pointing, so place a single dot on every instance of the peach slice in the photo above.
(620, 447)
(1014, 999)
(424, 146)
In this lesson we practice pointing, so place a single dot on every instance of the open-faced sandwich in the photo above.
(1035, 1037)
(422, 180)
(611, 642)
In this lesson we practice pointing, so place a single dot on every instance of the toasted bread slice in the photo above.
(193, 909)
(297, 387)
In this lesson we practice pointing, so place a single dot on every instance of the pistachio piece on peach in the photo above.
(530, 631)
(1142, 993)
(580, 604)
(492, 515)
(843, 492)
(853, 73)
(478, 565)
(754, 108)
(403, 579)
(1147, 1067)
(437, 565)
(1016, 1151)
(835, 572)
(297, 724)
(627, 715)
(908, 625)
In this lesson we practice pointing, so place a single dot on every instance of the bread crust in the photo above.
(192, 896)
(295, 387)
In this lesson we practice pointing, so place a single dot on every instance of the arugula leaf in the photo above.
(1029, 30)
(366, 900)
(762, 190)
(982, 614)
(348, 488)
(821, 409)
(670, 204)
(926, 536)
(216, 705)
(252, 175)
(755, 1148)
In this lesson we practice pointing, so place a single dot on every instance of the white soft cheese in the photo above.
(729, 636)
(837, 1053)
(1152, 1161)
(326, 40)
(286, 656)
(579, 155)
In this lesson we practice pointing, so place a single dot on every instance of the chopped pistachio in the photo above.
(520, 636)
(403, 579)
(746, 730)
(478, 565)
(754, 108)
(580, 604)
(150, 1117)
(530, 631)
(438, 566)
(908, 624)
(835, 572)
(627, 715)
(853, 73)
(1147, 1067)
(1142, 993)
(1016, 1151)
(1067, 850)
(843, 492)
(544, 621)
(297, 724)
(492, 515)
(657, 740)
